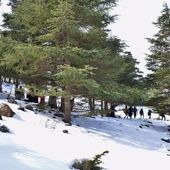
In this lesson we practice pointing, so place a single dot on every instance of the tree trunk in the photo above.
(52, 102)
(105, 105)
(102, 106)
(91, 104)
(42, 100)
(16, 83)
(0, 86)
(72, 103)
(67, 110)
(67, 106)
(9, 80)
(62, 104)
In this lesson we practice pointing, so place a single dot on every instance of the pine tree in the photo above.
(64, 45)
(159, 62)
(58, 33)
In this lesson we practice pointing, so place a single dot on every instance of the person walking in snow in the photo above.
(135, 112)
(130, 112)
(125, 110)
(141, 113)
(149, 113)
(112, 110)
(162, 115)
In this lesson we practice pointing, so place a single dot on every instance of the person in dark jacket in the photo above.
(135, 112)
(125, 110)
(130, 112)
(112, 110)
(162, 115)
(149, 113)
(141, 113)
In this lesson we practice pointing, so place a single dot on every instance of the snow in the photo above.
(37, 141)
(8, 88)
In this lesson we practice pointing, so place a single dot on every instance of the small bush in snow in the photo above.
(102, 113)
(87, 164)
(91, 114)
(4, 129)
(41, 107)
(29, 107)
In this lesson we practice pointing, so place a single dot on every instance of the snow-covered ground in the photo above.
(37, 142)
(8, 88)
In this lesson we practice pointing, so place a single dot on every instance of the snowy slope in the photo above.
(37, 142)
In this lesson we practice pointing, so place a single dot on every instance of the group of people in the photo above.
(132, 112)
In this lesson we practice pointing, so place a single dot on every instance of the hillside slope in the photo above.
(37, 142)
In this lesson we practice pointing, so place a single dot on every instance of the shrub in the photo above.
(98, 112)
(41, 107)
(87, 164)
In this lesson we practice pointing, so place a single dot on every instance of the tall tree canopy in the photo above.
(159, 62)
(65, 44)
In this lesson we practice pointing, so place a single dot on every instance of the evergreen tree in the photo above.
(54, 31)
(159, 62)
(64, 45)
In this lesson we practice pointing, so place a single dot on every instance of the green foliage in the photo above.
(63, 48)
(86, 164)
(41, 107)
(159, 61)
(76, 78)
(20, 90)
(159, 100)
(124, 94)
